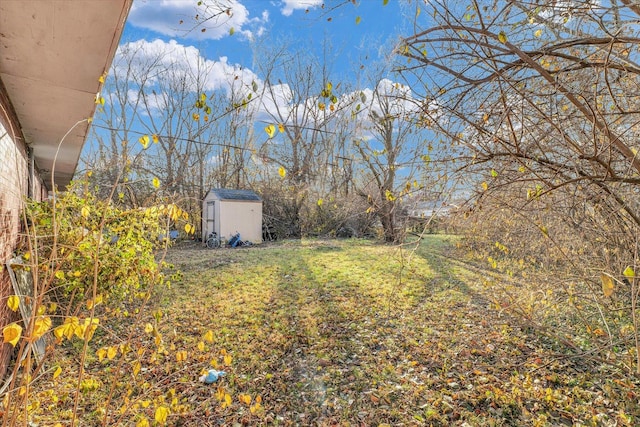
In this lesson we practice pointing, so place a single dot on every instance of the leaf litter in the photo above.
(349, 332)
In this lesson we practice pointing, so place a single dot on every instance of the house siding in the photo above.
(14, 187)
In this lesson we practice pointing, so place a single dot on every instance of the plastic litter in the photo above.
(212, 376)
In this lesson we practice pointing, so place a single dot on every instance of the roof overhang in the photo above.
(52, 54)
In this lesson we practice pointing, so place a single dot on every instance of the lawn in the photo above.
(342, 332)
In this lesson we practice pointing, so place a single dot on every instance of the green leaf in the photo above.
(494, 173)
(358, 19)
(232, 31)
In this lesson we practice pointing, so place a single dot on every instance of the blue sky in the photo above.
(360, 35)
(302, 23)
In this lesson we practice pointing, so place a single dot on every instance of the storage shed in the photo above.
(228, 212)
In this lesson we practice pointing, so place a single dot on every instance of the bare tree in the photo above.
(539, 101)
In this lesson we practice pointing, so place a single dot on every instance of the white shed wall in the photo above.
(242, 217)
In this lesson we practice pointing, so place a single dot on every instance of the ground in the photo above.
(351, 332)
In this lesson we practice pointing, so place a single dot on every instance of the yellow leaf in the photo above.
(281, 128)
(143, 422)
(245, 398)
(227, 360)
(201, 345)
(155, 138)
(13, 302)
(112, 352)
(321, 105)
(41, 326)
(102, 353)
(628, 272)
(59, 275)
(85, 211)
(155, 182)
(161, 414)
(544, 230)
(187, 228)
(319, 202)
(144, 140)
(136, 368)
(282, 172)
(255, 408)
(485, 186)
(231, 31)
(57, 372)
(502, 37)
(208, 336)
(270, 130)
(26, 256)
(92, 302)
(12, 333)
(538, 33)
(67, 329)
(607, 285)
(358, 19)
(227, 401)
(181, 356)
(101, 78)
(89, 327)
(148, 328)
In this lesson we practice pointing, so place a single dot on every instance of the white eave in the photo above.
(52, 54)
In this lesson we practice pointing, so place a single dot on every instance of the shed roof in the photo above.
(231, 194)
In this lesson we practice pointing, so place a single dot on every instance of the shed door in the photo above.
(211, 216)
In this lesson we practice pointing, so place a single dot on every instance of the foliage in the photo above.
(76, 228)
(94, 266)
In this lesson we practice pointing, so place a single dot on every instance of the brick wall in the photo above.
(14, 187)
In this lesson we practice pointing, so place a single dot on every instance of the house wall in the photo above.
(242, 217)
(14, 187)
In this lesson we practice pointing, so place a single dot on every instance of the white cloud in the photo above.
(155, 60)
(291, 5)
(177, 18)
